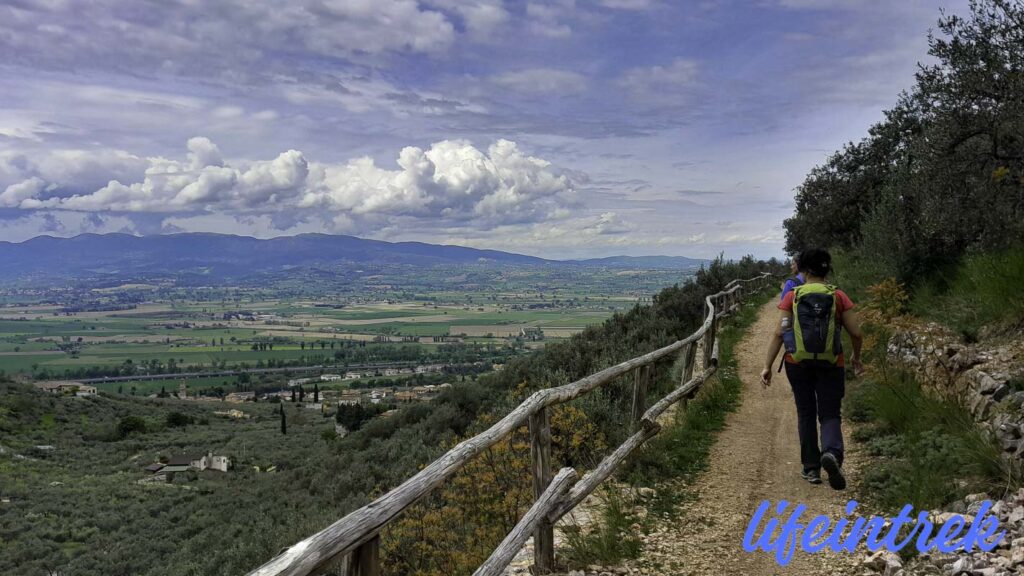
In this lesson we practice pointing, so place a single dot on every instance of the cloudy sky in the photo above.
(560, 128)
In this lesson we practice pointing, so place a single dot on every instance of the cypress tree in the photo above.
(284, 425)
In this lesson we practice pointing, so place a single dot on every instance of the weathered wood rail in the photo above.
(356, 537)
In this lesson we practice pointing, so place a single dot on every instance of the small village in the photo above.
(59, 387)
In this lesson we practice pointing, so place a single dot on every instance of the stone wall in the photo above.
(981, 377)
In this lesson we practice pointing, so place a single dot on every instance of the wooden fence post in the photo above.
(684, 357)
(691, 359)
(709, 342)
(540, 453)
(641, 379)
(365, 560)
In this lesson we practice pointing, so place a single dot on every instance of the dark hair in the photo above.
(816, 262)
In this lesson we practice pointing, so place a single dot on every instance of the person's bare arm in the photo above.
(852, 325)
(774, 345)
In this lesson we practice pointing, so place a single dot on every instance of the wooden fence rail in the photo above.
(357, 535)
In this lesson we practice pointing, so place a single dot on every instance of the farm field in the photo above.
(144, 329)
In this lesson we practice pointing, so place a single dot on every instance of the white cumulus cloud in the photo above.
(17, 193)
(451, 180)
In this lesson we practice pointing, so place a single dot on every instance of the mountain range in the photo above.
(227, 256)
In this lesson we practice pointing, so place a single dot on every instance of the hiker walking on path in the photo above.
(797, 279)
(813, 315)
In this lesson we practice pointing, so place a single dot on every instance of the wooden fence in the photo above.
(356, 537)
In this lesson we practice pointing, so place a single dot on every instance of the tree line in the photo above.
(942, 175)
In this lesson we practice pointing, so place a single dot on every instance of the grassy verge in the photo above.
(925, 450)
(610, 539)
(983, 291)
(667, 463)
(922, 450)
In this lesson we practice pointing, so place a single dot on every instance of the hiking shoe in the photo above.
(813, 475)
(835, 474)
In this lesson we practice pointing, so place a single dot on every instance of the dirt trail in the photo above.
(756, 457)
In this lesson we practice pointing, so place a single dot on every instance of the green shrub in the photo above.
(178, 420)
(130, 425)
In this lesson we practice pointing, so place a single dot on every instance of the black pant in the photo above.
(818, 391)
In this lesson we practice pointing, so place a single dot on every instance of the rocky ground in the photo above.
(1006, 560)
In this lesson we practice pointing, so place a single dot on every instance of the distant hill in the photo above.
(220, 255)
(650, 262)
(217, 257)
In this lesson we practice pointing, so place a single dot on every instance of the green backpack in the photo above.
(816, 334)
